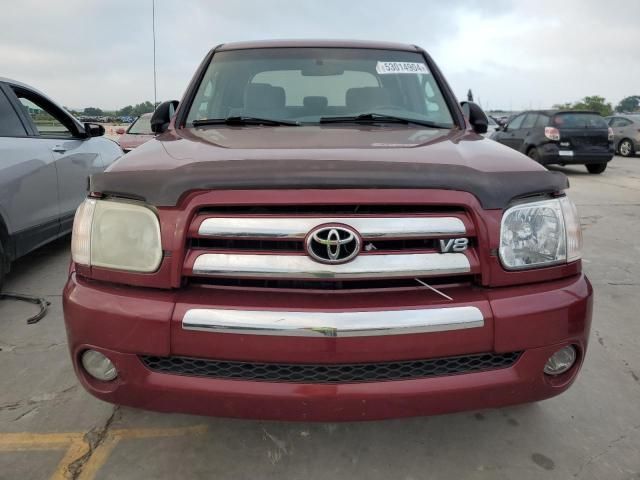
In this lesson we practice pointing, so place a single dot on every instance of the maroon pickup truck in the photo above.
(320, 232)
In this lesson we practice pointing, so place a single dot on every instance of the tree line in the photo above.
(599, 104)
(128, 111)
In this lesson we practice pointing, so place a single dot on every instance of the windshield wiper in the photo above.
(242, 120)
(380, 117)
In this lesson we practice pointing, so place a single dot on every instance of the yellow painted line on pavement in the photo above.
(76, 445)
(36, 441)
(76, 450)
(101, 454)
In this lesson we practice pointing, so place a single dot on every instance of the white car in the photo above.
(46, 158)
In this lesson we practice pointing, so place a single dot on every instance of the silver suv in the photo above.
(46, 157)
(626, 134)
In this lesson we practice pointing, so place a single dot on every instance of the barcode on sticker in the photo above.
(401, 67)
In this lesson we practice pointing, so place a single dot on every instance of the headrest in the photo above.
(262, 96)
(363, 99)
(315, 103)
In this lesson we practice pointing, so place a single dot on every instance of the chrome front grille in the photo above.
(270, 246)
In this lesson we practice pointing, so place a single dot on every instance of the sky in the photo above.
(513, 54)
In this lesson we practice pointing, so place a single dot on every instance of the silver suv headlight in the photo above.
(540, 234)
(116, 234)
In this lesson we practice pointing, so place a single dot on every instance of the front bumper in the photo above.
(536, 320)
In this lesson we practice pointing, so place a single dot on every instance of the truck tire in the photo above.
(596, 167)
(625, 148)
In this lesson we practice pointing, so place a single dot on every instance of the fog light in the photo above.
(561, 361)
(99, 366)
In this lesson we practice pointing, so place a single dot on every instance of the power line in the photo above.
(153, 23)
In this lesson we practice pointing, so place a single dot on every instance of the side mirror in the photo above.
(476, 116)
(93, 130)
(120, 131)
(162, 116)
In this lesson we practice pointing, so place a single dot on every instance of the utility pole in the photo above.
(153, 27)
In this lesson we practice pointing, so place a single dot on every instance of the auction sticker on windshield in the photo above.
(401, 67)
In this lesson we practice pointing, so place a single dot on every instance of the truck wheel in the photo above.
(534, 155)
(596, 167)
(625, 147)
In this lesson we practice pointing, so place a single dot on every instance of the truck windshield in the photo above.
(305, 85)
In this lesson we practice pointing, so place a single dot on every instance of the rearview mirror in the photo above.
(162, 116)
(322, 69)
(120, 131)
(93, 130)
(477, 118)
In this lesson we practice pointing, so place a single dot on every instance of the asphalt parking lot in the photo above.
(50, 428)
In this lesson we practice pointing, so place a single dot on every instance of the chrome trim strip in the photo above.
(368, 227)
(302, 267)
(332, 324)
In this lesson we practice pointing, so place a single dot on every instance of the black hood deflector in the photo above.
(494, 190)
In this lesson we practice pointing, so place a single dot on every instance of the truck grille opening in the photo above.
(418, 244)
(330, 373)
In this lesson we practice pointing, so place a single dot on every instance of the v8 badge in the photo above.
(454, 245)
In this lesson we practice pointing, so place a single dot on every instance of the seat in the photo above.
(366, 99)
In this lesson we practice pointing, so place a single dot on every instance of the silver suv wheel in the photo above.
(625, 148)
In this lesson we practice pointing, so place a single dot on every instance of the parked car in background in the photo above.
(492, 127)
(560, 137)
(500, 120)
(137, 133)
(319, 233)
(626, 134)
(46, 157)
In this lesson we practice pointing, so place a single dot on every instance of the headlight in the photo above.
(118, 235)
(540, 234)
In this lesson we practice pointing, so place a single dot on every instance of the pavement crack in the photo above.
(37, 399)
(29, 348)
(94, 438)
(24, 414)
(603, 452)
(11, 406)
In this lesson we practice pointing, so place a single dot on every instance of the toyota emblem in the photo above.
(333, 244)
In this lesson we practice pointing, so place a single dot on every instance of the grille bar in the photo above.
(302, 267)
(298, 228)
(332, 324)
(330, 373)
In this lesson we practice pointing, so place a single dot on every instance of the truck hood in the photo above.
(331, 156)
